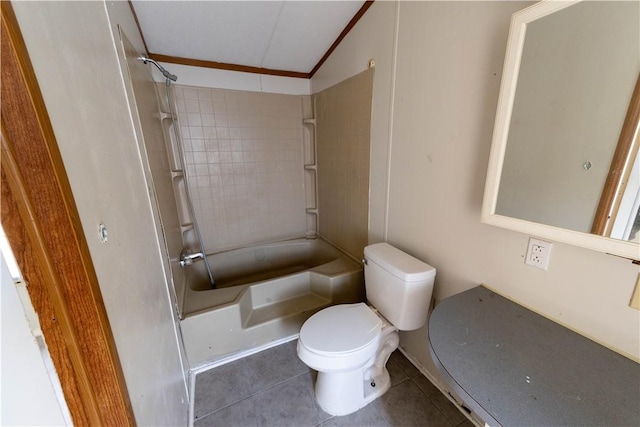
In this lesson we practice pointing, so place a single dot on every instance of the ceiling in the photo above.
(276, 35)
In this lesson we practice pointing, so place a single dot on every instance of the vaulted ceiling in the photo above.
(272, 37)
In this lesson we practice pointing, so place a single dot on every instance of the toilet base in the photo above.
(343, 393)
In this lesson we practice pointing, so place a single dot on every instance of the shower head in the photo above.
(164, 72)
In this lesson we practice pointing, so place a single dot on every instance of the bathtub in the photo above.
(263, 294)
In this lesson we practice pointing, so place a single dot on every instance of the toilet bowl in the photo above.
(350, 344)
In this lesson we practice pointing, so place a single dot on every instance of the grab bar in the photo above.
(187, 259)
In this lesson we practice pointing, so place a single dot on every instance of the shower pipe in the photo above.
(185, 258)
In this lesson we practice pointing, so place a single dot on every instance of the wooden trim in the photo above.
(42, 224)
(224, 66)
(343, 34)
(255, 70)
(135, 18)
(620, 169)
(79, 397)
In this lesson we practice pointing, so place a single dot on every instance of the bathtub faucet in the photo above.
(188, 259)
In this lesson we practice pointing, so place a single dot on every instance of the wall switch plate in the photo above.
(635, 298)
(538, 253)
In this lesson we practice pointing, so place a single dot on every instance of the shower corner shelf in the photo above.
(186, 227)
(311, 172)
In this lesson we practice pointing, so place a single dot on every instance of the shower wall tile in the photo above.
(343, 116)
(244, 162)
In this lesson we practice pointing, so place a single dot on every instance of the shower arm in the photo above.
(164, 72)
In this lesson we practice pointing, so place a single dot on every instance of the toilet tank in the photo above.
(398, 285)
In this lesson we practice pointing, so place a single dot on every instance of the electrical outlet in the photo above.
(538, 253)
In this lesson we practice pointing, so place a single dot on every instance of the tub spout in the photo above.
(187, 259)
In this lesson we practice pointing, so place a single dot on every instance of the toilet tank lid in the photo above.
(398, 263)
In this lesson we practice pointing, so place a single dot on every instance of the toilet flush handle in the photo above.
(364, 261)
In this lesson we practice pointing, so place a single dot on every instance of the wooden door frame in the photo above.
(620, 169)
(42, 224)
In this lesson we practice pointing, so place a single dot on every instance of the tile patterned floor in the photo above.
(274, 388)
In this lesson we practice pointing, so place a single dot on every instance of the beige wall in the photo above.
(73, 49)
(443, 99)
(432, 118)
(343, 117)
(372, 38)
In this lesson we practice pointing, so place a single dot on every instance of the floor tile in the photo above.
(406, 405)
(220, 387)
(274, 388)
(239, 414)
(448, 409)
(367, 416)
(273, 366)
(288, 404)
(395, 372)
(404, 364)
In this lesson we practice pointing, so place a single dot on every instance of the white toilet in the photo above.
(349, 344)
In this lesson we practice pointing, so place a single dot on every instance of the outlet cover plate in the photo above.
(538, 253)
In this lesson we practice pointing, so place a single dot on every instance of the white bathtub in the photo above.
(265, 293)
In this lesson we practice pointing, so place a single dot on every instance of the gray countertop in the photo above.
(514, 367)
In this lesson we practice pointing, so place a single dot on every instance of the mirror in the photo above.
(565, 141)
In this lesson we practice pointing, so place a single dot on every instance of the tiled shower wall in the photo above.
(245, 164)
(343, 114)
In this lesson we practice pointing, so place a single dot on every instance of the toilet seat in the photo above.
(340, 337)
(340, 329)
